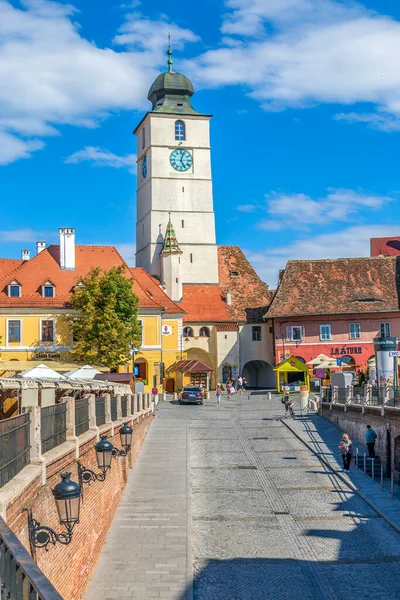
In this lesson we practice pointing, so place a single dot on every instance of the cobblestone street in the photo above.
(265, 519)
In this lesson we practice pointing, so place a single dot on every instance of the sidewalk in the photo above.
(147, 551)
(323, 438)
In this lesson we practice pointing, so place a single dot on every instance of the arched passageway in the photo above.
(259, 374)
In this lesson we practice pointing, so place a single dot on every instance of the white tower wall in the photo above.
(186, 195)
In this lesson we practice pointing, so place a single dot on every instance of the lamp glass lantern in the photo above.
(104, 449)
(126, 434)
(67, 496)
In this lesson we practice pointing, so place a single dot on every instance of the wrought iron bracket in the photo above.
(88, 476)
(41, 536)
(117, 452)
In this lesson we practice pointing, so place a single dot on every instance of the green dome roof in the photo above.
(171, 92)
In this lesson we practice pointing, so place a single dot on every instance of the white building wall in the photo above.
(227, 350)
(171, 273)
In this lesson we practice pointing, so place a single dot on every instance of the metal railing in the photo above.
(367, 395)
(133, 399)
(100, 410)
(114, 413)
(53, 426)
(14, 446)
(124, 405)
(81, 415)
(20, 577)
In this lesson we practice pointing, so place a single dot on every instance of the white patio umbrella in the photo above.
(85, 372)
(41, 372)
(321, 358)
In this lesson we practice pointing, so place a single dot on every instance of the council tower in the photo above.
(174, 188)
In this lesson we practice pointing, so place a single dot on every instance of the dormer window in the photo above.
(14, 289)
(48, 290)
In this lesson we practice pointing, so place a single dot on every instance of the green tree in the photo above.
(106, 321)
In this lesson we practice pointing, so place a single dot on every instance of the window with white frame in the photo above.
(325, 332)
(384, 329)
(355, 331)
(14, 289)
(180, 130)
(47, 330)
(14, 330)
(295, 333)
(48, 290)
(140, 323)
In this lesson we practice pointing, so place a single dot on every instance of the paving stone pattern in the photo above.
(227, 494)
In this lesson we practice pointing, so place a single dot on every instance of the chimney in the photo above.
(229, 299)
(67, 248)
(25, 254)
(39, 247)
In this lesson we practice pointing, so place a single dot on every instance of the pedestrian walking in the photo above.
(370, 438)
(240, 385)
(233, 382)
(346, 449)
(154, 392)
(218, 393)
(288, 405)
(229, 389)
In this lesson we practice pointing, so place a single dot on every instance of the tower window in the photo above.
(191, 257)
(180, 130)
(204, 332)
(183, 189)
(143, 137)
(183, 223)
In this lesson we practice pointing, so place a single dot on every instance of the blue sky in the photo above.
(306, 129)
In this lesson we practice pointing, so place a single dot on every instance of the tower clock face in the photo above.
(181, 159)
(144, 167)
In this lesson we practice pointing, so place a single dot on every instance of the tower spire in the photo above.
(169, 54)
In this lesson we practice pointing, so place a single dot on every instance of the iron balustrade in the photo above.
(124, 405)
(14, 446)
(114, 413)
(138, 403)
(20, 577)
(81, 415)
(53, 421)
(132, 404)
(100, 410)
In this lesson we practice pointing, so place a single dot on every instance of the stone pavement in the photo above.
(264, 519)
(146, 552)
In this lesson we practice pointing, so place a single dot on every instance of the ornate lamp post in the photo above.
(67, 495)
(104, 452)
(126, 434)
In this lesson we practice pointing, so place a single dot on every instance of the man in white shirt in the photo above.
(240, 384)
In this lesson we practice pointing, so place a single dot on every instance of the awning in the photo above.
(190, 366)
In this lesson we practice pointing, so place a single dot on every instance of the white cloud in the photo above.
(347, 243)
(51, 75)
(103, 158)
(299, 211)
(12, 148)
(380, 121)
(23, 235)
(302, 52)
(246, 208)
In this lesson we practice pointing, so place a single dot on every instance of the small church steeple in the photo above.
(170, 245)
(171, 269)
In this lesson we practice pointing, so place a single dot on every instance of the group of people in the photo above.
(346, 447)
(233, 386)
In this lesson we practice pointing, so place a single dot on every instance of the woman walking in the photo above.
(218, 393)
(346, 449)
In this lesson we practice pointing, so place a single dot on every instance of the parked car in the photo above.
(191, 395)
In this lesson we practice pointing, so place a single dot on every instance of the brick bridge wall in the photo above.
(353, 420)
(69, 568)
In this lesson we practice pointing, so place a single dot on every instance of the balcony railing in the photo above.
(20, 577)
(53, 428)
(14, 446)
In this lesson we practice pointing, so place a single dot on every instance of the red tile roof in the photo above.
(250, 296)
(342, 286)
(190, 366)
(389, 246)
(227, 327)
(45, 267)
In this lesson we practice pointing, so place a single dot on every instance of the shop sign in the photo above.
(346, 350)
(47, 355)
(166, 330)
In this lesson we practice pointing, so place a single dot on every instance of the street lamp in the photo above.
(125, 434)
(67, 496)
(104, 453)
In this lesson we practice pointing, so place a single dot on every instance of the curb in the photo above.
(340, 476)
